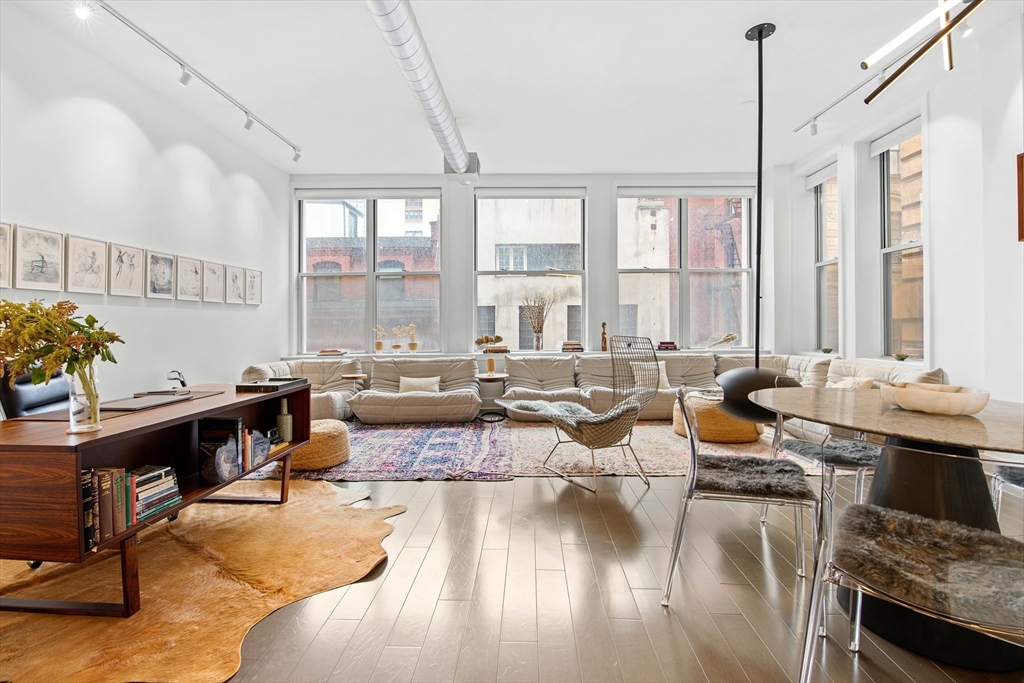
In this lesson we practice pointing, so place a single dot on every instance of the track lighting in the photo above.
(965, 30)
(83, 11)
(248, 122)
(186, 77)
(814, 127)
(298, 155)
(881, 76)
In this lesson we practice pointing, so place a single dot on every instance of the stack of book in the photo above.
(156, 489)
(667, 346)
(572, 347)
(496, 348)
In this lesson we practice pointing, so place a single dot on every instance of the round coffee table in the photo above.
(488, 407)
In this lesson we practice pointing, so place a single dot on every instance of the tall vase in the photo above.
(538, 341)
(84, 398)
(285, 422)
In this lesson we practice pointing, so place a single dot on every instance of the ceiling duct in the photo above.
(397, 24)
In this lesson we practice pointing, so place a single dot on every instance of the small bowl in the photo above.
(900, 356)
(937, 399)
(828, 350)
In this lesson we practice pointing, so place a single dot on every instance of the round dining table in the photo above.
(923, 484)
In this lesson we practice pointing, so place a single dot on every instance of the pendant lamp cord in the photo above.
(760, 146)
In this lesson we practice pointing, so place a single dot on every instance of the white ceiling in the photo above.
(538, 86)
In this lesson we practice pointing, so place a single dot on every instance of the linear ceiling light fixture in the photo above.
(936, 14)
(187, 72)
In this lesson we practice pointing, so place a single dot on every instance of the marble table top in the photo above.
(1000, 427)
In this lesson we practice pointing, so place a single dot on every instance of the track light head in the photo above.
(298, 155)
(881, 76)
(965, 30)
(814, 127)
(83, 11)
(248, 122)
(186, 77)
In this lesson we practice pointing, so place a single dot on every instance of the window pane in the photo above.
(905, 301)
(905, 192)
(509, 295)
(715, 233)
(409, 234)
(648, 233)
(828, 220)
(828, 307)
(334, 232)
(649, 305)
(574, 323)
(404, 300)
(335, 313)
(529, 234)
(718, 306)
(484, 321)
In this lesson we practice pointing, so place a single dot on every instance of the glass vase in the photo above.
(538, 341)
(84, 400)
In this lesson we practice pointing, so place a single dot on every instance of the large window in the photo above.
(902, 248)
(529, 264)
(684, 269)
(826, 262)
(345, 293)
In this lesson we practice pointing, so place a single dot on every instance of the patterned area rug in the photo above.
(503, 450)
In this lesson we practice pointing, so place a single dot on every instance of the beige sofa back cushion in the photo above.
(545, 373)
(882, 371)
(323, 375)
(811, 371)
(456, 373)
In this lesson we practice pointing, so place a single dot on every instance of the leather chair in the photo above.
(25, 398)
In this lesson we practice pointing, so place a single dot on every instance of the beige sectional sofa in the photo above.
(330, 393)
(457, 399)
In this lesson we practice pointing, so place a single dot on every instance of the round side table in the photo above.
(490, 409)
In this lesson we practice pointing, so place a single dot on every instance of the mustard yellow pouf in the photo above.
(714, 425)
(328, 446)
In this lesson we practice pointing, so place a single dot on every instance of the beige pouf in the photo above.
(714, 425)
(328, 446)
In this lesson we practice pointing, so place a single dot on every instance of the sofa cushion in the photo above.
(544, 373)
(809, 370)
(662, 377)
(427, 384)
(329, 392)
(854, 383)
(882, 371)
(457, 373)
(570, 395)
(389, 407)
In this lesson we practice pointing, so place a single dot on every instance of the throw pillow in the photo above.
(429, 384)
(854, 383)
(662, 374)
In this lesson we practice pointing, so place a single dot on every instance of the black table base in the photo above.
(940, 488)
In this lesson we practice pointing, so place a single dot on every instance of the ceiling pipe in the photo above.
(397, 24)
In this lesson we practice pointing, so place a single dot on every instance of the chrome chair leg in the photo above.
(815, 616)
(638, 468)
(776, 445)
(677, 546)
(997, 492)
(798, 517)
(855, 602)
(563, 475)
(858, 486)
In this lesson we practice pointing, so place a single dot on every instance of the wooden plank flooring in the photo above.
(538, 580)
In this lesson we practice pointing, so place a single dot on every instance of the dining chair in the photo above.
(960, 574)
(738, 478)
(635, 377)
(1006, 476)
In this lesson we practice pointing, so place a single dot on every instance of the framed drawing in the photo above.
(190, 279)
(6, 254)
(86, 265)
(213, 282)
(234, 285)
(253, 286)
(39, 259)
(125, 265)
(159, 275)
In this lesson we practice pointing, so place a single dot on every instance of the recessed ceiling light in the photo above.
(83, 11)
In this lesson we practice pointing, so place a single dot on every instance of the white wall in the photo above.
(973, 128)
(89, 151)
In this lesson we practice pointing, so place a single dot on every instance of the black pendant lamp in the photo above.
(739, 383)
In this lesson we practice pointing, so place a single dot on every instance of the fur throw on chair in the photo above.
(753, 476)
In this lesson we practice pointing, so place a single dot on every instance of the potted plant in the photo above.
(397, 332)
(40, 340)
(379, 333)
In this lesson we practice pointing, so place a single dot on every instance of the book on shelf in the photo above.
(106, 479)
(95, 476)
(132, 492)
(87, 504)
(118, 511)
(149, 473)
(159, 508)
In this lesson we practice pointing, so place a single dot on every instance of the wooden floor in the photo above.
(538, 580)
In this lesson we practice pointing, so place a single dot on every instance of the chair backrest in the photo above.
(25, 398)
(634, 370)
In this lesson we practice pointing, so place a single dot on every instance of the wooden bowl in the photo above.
(938, 399)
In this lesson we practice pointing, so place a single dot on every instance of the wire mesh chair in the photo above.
(960, 574)
(634, 385)
(744, 479)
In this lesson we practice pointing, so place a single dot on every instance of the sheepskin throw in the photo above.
(1011, 475)
(839, 453)
(947, 567)
(753, 476)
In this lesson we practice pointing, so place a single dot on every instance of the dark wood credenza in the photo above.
(41, 516)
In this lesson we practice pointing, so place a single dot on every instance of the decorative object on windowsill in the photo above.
(937, 399)
(535, 311)
(604, 336)
(395, 348)
(400, 332)
(900, 356)
(738, 383)
(39, 339)
(827, 350)
(727, 338)
(490, 366)
(378, 331)
(284, 421)
(490, 344)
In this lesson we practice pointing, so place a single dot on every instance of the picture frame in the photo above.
(159, 275)
(234, 285)
(253, 287)
(126, 270)
(1020, 197)
(6, 254)
(85, 263)
(189, 279)
(213, 282)
(38, 259)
